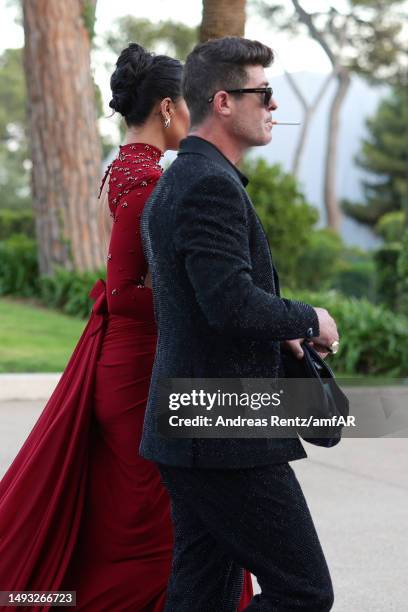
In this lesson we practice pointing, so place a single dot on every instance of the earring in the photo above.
(167, 122)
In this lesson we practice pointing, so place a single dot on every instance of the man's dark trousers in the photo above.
(255, 518)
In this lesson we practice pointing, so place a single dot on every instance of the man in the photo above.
(235, 502)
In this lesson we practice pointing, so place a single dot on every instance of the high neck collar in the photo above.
(141, 148)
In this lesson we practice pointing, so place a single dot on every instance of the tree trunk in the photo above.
(300, 146)
(309, 109)
(334, 217)
(222, 18)
(65, 144)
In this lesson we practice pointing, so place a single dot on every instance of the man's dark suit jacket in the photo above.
(216, 300)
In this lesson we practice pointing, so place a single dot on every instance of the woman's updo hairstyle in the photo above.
(140, 80)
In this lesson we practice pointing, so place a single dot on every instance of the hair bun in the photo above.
(137, 59)
(131, 68)
(120, 103)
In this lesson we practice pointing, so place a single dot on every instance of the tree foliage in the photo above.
(384, 157)
(365, 38)
(168, 37)
(391, 226)
(14, 164)
(88, 16)
(402, 273)
(285, 215)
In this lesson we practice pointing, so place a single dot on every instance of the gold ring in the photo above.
(334, 347)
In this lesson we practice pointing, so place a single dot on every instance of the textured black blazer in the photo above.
(216, 299)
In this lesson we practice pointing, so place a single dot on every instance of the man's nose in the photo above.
(273, 105)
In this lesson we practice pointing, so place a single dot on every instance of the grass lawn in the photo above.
(35, 339)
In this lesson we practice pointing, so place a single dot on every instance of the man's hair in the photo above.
(219, 64)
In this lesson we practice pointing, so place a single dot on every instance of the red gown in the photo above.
(79, 508)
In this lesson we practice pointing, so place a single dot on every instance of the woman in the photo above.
(98, 521)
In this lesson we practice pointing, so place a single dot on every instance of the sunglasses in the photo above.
(266, 91)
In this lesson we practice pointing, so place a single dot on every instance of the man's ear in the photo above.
(222, 103)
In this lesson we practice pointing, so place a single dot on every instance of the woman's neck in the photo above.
(146, 134)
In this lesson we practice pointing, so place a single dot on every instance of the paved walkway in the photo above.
(358, 496)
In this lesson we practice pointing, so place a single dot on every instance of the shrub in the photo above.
(356, 274)
(319, 261)
(65, 290)
(18, 266)
(356, 279)
(391, 226)
(287, 218)
(68, 291)
(373, 339)
(402, 271)
(386, 259)
(16, 222)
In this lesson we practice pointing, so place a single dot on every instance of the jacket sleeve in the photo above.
(212, 236)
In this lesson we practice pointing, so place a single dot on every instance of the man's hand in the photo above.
(328, 332)
(295, 346)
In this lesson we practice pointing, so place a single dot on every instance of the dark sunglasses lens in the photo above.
(267, 96)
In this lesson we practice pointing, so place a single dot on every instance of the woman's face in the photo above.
(179, 124)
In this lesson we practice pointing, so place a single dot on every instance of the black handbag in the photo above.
(321, 399)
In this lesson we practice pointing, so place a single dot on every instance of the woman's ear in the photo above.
(166, 108)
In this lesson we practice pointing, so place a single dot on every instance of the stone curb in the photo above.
(27, 386)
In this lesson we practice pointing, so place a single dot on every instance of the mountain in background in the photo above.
(361, 102)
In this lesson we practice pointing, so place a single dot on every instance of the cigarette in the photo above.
(286, 122)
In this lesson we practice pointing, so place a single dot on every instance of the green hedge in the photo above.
(402, 272)
(374, 340)
(318, 263)
(356, 279)
(16, 222)
(68, 291)
(287, 218)
(391, 226)
(18, 266)
(386, 259)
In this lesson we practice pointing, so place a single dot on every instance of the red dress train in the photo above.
(79, 508)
